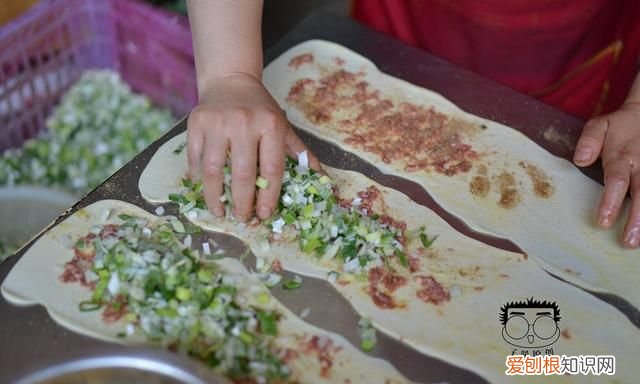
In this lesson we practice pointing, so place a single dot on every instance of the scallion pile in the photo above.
(322, 227)
(150, 276)
(99, 125)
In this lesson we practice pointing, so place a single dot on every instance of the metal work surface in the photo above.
(29, 339)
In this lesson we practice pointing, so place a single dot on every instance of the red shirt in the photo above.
(578, 55)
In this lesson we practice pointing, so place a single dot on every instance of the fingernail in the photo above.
(583, 155)
(218, 211)
(633, 237)
(241, 218)
(264, 212)
(605, 219)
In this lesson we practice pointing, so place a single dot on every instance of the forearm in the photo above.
(226, 38)
(634, 93)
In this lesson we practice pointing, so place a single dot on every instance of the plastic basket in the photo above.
(46, 49)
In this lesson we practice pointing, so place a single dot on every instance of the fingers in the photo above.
(591, 141)
(246, 131)
(631, 234)
(272, 149)
(244, 158)
(616, 183)
(294, 146)
(195, 142)
(213, 163)
(206, 156)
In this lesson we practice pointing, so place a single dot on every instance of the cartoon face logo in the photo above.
(531, 323)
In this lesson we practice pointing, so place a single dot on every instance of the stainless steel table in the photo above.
(30, 339)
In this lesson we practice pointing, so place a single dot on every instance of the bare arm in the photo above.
(235, 113)
(226, 39)
(616, 138)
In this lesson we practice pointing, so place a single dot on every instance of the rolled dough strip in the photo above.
(463, 331)
(34, 280)
(496, 179)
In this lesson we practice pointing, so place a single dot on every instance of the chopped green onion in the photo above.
(332, 276)
(367, 345)
(289, 218)
(272, 279)
(205, 276)
(183, 298)
(179, 148)
(176, 198)
(124, 217)
(178, 226)
(307, 211)
(368, 338)
(312, 244)
(189, 228)
(167, 312)
(98, 125)
(183, 294)
(263, 298)
(262, 183)
(246, 337)
(101, 287)
(402, 258)
(292, 284)
(268, 323)
(426, 242)
(388, 264)
(87, 306)
(373, 237)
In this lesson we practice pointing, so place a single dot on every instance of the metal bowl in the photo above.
(25, 210)
(125, 366)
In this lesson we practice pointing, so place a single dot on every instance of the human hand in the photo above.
(616, 137)
(237, 114)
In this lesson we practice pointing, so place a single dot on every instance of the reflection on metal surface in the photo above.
(125, 367)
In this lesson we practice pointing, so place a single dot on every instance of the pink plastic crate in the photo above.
(45, 50)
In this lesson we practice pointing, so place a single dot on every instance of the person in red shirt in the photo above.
(579, 56)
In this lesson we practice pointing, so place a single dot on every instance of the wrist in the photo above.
(211, 82)
(631, 106)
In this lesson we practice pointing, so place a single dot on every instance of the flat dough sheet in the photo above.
(465, 331)
(34, 280)
(514, 188)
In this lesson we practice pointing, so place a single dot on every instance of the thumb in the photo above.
(591, 141)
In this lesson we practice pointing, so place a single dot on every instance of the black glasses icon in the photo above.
(518, 326)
